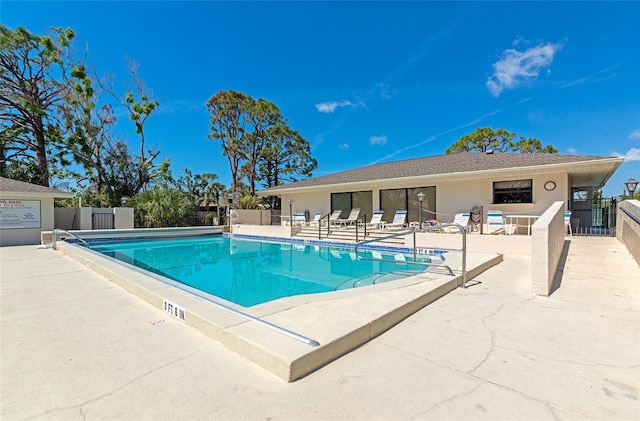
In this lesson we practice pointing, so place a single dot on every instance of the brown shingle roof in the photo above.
(9, 185)
(439, 164)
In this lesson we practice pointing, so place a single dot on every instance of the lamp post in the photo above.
(290, 213)
(420, 200)
(631, 184)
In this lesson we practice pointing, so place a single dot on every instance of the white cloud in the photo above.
(517, 67)
(632, 155)
(378, 140)
(344, 146)
(329, 107)
(635, 135)
(572, 151)
(386, 91)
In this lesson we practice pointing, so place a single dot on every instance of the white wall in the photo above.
(547, 244)
(123, 218)
(451, 196)
(627, 229)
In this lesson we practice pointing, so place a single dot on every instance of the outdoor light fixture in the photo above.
(420, 200)
(290, 213)
(631, 184)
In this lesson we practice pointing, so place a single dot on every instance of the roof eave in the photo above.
(536, 169)
(56, 195)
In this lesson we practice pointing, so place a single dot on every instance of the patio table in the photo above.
(530, 220)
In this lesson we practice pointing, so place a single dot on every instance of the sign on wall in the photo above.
(19, 214)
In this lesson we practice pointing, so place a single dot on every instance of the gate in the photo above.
(592, 216)
(102, 221)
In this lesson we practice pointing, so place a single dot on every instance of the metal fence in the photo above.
(103, 221)
(594, 217)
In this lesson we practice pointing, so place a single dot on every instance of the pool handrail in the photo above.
(54, 238)
(287, 332)
(424, 230)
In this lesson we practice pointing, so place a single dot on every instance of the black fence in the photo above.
(594, 217)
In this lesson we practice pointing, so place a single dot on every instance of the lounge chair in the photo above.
(334, 217)
(299, 219)
(398, 220)
(351, 219)
(567, 222)
(316, 220)
(496, 222)
(376, 220)
(461, 219)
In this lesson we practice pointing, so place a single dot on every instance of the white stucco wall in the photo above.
(547, 244)
(627, 227)
(452, 196)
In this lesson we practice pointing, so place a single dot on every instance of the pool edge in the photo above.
(247, 340)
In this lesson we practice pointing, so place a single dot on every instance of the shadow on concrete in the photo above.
(557, 279)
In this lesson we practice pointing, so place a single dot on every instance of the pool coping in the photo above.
(340, 321)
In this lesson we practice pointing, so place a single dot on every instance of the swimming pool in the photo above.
(249, 272)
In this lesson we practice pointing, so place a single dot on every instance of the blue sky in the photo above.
(369, 82)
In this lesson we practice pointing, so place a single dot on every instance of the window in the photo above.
(580, 195)
(391, 201)
(407, 199)
(516, 191)
(347, 201)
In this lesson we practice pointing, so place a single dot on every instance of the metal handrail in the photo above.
(54, 239)
(424, 230)
(364, 223)
(320, 226)
(282, 330)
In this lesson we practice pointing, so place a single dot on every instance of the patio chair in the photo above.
(376, 220)
(351, 219)
(461, 219)
(316, 220)
(567, 222)
(299, 219)
(334, 217)
(496, 222)
(398, 220)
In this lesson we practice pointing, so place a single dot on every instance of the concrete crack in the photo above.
(548, 357)
(422, 414)
(117, 389)
(493, 339)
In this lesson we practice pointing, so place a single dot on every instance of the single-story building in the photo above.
(514, 183)
(25, 211)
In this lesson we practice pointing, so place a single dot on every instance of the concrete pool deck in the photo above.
(76, 346)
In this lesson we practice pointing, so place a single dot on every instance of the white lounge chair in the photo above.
(316, 220)
(398, 220)
(567, 222)
(299, 219)
(376, 220)
(334, 217)
(351, 219)
(461, 219)
(496, 222)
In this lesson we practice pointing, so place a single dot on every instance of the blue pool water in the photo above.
(249, 272)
